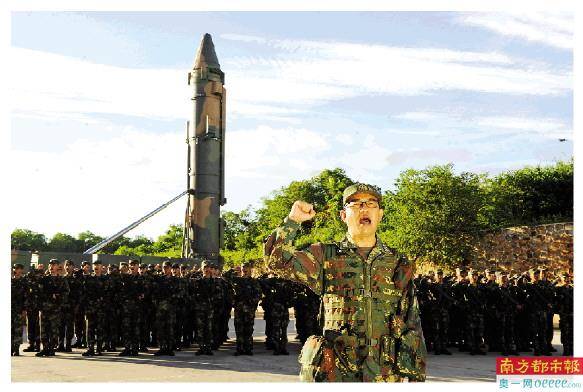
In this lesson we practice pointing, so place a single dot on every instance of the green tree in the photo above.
(24, 239)
(62, 242)
(434, 214)
(88, 239)
(170, 243)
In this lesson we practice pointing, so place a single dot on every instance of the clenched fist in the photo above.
(301, 211)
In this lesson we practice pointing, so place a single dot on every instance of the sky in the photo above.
(99, 104)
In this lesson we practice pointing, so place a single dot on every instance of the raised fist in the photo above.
(301, 211)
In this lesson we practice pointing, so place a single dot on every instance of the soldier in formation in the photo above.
(496, 311)
(17, 312)
(102, 308)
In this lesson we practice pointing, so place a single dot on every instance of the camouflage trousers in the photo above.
(507, 332)
(279, 322)
(50, 321)
(179, 324)
(130, 324)
(16, 324)
(204, 325)
(440, 328)
(165, 323)
(80, 327)
(343, 358)
(566, 327)
(112, 326)
(96, 322)
(33, 326)
(475, 330)
(538, 324)
(244, 322)
(66, 329)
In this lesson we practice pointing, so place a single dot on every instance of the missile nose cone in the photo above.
(206, 55)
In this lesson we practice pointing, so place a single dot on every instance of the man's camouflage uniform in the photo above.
(565, 310)
(131, 295)
(113, 312)
(166, 298)
(32, 304)
(95, 296)
(371, 317)
(18, 293)
(246, 298)
(70, 309)
(54, 291)
(204, 292)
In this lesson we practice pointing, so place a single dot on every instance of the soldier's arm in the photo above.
(303, 266)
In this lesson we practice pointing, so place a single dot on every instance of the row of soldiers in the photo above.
(495, 311)
(137, 307)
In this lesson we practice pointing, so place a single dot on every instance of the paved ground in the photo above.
(222, 367)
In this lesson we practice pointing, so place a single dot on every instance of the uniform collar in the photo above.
(347, 243)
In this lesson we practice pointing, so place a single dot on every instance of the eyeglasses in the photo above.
(358, 204)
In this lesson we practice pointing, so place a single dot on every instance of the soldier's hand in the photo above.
(301, 211)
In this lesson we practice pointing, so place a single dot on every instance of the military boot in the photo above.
(61, 348)
(124, 353)
(29, 349)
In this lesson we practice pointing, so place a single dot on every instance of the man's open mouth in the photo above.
(364, 221)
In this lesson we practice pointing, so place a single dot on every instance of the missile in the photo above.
(203, 226)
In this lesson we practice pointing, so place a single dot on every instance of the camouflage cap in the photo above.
(69, 262)
(54, 261)
(167, 263)
(175, 265)
(123, 264)
(85, 262)
(134, 262)
(361, 188)
(18, 266)
(144, 266)
(97, 262)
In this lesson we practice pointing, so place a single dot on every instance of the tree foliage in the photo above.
(432, 214)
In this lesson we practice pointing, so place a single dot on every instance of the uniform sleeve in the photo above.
(302, 266)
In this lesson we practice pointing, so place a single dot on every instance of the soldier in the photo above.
(17, 311)
(442, 300)
(266, 281)
(166, 298)
(112, 312)
(370, 308)
(203, 301)
(506, 307)
(247, 293)
(283, 298)
(132, 292)
(179, 307)
(491, 316)
(523, 328)
(540, 301)
(54, 291)
(475, 306)
(32, 304)
(565, 309)
(551, 292)
(80, 326)
(147, 309)
(188, 323)
(70, 308)
(95, 290)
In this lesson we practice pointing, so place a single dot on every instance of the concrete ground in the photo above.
(221, 367)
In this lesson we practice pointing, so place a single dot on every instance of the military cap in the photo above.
(54, 261)
(144, 266)
(167, 263)
(123, 264)
(184, 266)
(85, 262)
(151, 266)
(361, 188)
(134, 262)
(18, 266)
(113, 266)
(175, 265)
(69, 262)
(97, 262)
